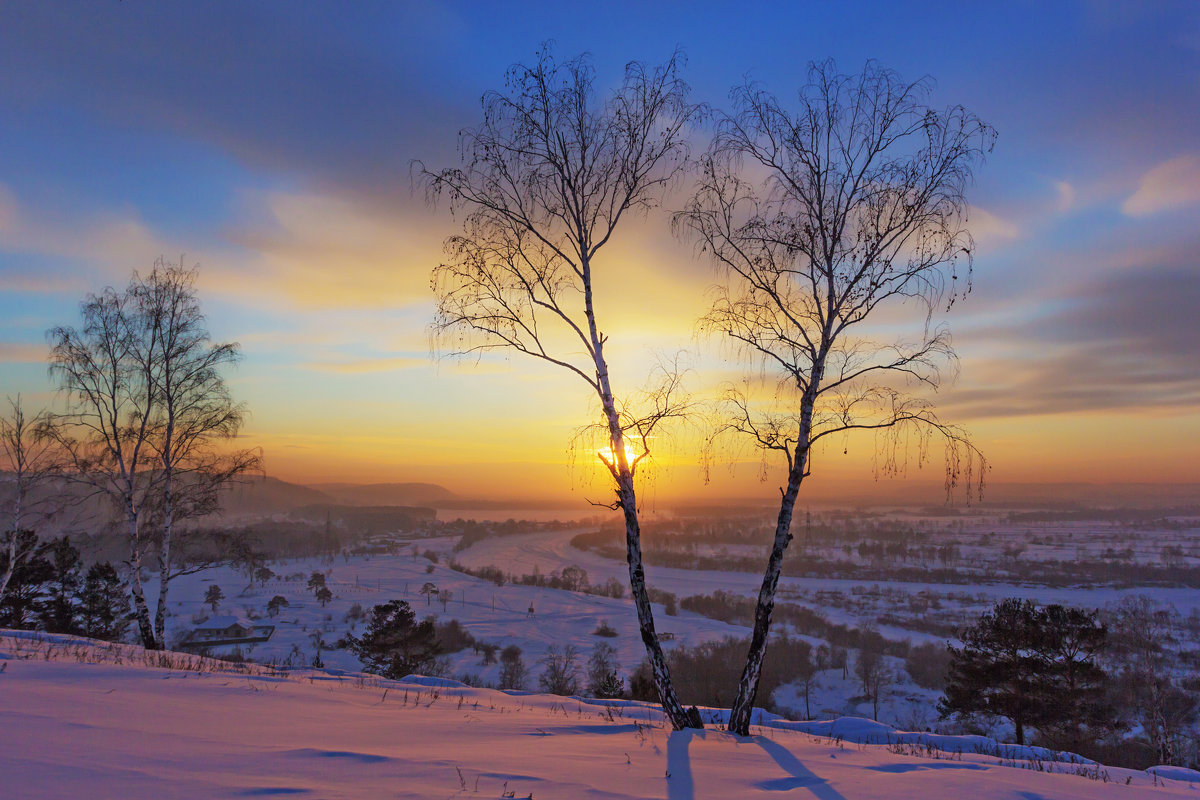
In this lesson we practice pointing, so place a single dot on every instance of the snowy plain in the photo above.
(84, 719)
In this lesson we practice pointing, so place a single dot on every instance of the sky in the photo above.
(271, 144)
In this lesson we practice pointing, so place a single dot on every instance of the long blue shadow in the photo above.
(800, 776)
(680, 785)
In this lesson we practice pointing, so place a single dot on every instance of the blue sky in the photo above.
(271, 143)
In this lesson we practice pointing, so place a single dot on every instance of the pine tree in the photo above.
(1035, 667)
(214, 596)
(1075, 695)
(276, 603)
(103, 604)
(996, 669)
(19, 606)
(395, 644)
(57, 612)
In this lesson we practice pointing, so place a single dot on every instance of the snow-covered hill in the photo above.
(84, 719)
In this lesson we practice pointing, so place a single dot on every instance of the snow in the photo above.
(499, 615)
(222, 622)
(83, 719)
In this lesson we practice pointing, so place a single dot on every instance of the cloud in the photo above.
(116, 243)
(1172, 184)
(284, 92)
(1126, 341)
(22, 353)
(989, 229)
(366, 365)
(328, 251)
(1065, 196)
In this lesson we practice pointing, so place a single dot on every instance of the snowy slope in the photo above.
(76, 723)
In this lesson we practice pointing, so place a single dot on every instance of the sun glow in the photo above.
(633, 450)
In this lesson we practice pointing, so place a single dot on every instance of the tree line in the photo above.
(50, 590)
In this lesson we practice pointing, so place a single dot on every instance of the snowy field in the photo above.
(500, 615)
(495, 614)
(87, 721)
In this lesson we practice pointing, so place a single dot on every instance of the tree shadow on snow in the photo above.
(800, 776)
(680, 785)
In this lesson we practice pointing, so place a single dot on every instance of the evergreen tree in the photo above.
(395, 644)
(57, 612)
(276, 603)
(1075, 688)
(214, 596)
(1035, 667)
(996, 670)
(316, 581)
(103, 604)
(19, 606)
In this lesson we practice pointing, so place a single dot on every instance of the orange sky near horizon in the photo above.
(273, 149)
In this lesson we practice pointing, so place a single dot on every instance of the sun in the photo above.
(632, 451)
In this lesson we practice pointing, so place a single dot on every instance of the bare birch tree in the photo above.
(31, 467)
(195, 413)
(108, 421)
(822, 219)
(545, 180)
(147, 415)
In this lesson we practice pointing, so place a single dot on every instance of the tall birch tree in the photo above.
(149, 420)
(196, 415)
(108, 420)
(545, 181)
(824, 218)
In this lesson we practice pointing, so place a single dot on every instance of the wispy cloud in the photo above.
(21, 353)
(1170, 185)
(990, 229)
(366, 365)
(1126, 341)
(116, 243)
(320, 250)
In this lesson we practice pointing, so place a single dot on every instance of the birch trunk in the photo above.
(18, 512)
(623, 475)
(140, 608)
(637, 588)
(164, 568)
(164, 555)
(743, 704)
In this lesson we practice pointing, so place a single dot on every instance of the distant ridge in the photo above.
(265, 496)
(387, 494)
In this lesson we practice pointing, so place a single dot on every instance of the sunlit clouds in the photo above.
(275, 149)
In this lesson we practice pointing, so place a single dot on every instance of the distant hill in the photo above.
(265, 496)
(388, 494)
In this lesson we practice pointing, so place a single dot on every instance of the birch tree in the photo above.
(108, 421)
(30, 467)
(148, 421)
(824, 218)
(196, 414)
(545, 181)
